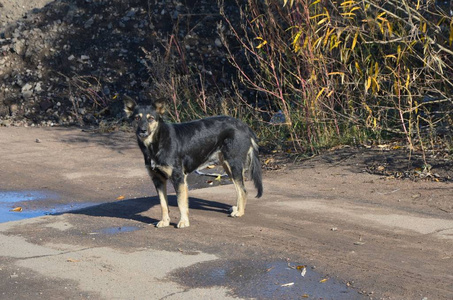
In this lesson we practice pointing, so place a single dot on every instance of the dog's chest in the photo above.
(166, 169)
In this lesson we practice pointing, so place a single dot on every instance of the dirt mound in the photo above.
(65, 63)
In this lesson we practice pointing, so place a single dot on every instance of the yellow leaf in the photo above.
(399, 53)
(323, 280)
(306, 42)
(72, 260)
(376, 84)
(354, 42)
(389, 26)
(316, 43)
(320, 92)
(336, 73)
(368, 83)
(210, 167)
(264, 42)
(367, 108)
(381, 27)
(347, 3)
(348, 14)
(295, 41)
(450, 40)
(327, 13)
(318, 15)
(380, 15)
(327, 35)
(407, 80)
(316, 2)
(357, 66)
(301, 267)
(17, 209)
(120, 198)
(219, 178)
(323, 20)
(261, 45)
(305, 295)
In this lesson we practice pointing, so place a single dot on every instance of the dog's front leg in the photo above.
(180, 184)
(161, 187)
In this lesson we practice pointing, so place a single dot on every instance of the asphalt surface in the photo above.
(77, 211)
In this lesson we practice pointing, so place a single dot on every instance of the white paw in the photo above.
(183, 224)
(235, 213)
(163, 223)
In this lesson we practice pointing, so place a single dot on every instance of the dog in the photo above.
(172, 151)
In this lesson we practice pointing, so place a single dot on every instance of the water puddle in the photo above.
(116, 230)
(19, 205)
(265, 280)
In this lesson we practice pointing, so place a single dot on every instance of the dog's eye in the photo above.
(137, 118)
(150, 118)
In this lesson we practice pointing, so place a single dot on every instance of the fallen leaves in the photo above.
(17, 209)
(359, 243)
(287, 284)
(301, 268)
(303, 272)
(119, 198)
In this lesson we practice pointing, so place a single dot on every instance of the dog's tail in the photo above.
(255, 168)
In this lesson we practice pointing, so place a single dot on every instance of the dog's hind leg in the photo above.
(180, 184)
(161, 187)
(236, 173)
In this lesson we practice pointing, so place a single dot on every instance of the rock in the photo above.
(13, 108)
(26, 87)
(38, 88)
(19, 47)
(89, 23)
(45, 105)
(6, 123)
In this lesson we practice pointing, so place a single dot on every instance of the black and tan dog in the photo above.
(172, 151)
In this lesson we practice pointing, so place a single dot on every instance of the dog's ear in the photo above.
(129, 105)
(160, 106)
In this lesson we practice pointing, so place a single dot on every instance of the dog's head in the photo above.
(146, 118)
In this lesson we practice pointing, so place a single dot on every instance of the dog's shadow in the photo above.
(132, 209)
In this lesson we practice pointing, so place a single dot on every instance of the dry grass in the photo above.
(348, 71)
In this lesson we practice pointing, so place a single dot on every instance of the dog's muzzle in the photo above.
(142, 134)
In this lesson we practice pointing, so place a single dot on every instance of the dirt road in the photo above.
(371, 238)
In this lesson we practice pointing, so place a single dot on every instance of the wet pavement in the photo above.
(25, 204)
(19, 205)
(261, 279)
